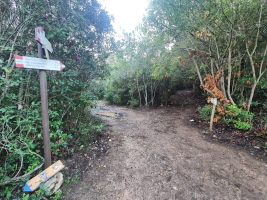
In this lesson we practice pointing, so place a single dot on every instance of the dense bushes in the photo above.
(144, 73)
(77, 35)
(220, 46)
(240, 118)
(205, 112)
(234, 116)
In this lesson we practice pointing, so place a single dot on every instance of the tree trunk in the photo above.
(151, 93)
(251, 95)
(211, 68)
(139, 92)
(230, 76)
(146, 95)
(222, 80)
(145, 92)
(252, 63)
(198, 72)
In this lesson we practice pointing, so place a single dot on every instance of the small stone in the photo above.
(175, 188)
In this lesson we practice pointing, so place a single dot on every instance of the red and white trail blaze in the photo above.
(38, 63)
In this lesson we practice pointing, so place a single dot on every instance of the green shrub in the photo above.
(235, 116)
(238, 117)
(117, 99)
(134, 103)
(242, 125)
(205, 112)
(108, 96)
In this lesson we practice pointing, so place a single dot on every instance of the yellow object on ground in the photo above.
(45, 175)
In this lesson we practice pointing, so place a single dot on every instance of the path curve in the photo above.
(154, 155)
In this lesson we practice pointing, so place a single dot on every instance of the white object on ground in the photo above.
(53, 184)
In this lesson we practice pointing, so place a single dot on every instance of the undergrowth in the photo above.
(233, 116)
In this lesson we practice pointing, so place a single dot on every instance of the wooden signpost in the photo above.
(214, 102)
(42, 65)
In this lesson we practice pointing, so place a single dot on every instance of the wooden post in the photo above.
(45, 118)
(214, 104)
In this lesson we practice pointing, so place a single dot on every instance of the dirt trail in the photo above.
(154, 155)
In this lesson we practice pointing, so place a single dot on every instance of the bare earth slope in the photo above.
(154, 155)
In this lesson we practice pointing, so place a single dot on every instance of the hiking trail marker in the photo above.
(40, 37)
(42, 64)
(38, 63)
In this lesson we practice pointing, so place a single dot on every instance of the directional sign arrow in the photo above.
(40, 37)
(38, 63)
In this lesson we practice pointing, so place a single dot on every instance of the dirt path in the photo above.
(154, 155)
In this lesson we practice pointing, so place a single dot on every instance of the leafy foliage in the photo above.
(205, 112)
(231, 115)
(221, 43)
(225, 44)
(239, 118)
(145, 71)
(80, 32)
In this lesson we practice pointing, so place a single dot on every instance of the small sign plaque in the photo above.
(214, 101)
(38, 63)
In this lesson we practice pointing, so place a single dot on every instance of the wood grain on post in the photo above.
(44, 104)
(214, 104)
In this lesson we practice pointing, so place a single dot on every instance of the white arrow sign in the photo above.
(40, 37)
(38, 63)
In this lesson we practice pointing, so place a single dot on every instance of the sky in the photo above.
(127, 13)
